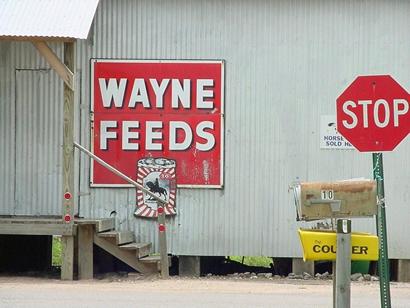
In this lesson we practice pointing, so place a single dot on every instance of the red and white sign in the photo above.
(373, 113)
(168, 109)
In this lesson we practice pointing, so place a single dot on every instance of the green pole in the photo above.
(384, 270)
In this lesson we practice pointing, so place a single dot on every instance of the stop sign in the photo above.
(373, 113)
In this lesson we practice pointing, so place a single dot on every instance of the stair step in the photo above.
(103, 224)
(154, 259)
(122, 237)
(142, 249)
(126, 256)
(151, 259)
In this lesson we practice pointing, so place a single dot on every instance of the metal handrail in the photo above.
(119, 173)
(160, 203)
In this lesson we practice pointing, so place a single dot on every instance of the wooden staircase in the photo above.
(121, 244)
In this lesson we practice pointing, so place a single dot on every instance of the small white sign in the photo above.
(330, 137)
(327, 194)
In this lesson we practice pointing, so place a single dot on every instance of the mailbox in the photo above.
(321, 200)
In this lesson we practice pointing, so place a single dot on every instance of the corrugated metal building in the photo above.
(285, 64)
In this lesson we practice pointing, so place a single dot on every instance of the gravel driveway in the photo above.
(138, 291)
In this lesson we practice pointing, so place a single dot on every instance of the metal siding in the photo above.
(7, 130)
(286, 62)
(32, 105)
(38, 143)
(46, 18)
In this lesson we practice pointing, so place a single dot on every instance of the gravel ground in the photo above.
(118, 291)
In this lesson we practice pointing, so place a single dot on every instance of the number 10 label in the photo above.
(327, 194)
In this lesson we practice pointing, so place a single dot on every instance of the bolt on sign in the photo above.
(145, 109)
(321, 245)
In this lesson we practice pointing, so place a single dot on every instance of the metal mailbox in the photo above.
(321, 200)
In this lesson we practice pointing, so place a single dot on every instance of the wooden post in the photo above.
(162, 238)
(85, 251)
(68, 167)
(67, 257)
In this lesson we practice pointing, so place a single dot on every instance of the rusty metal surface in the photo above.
(357, 199)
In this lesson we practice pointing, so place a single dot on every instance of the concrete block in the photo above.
(403, 270)
(299, 266)
(189, 266)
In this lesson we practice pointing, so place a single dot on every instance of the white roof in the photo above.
(46, 18)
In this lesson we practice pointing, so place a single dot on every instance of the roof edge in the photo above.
(37, 38)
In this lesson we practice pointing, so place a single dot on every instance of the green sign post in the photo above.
(384, 270)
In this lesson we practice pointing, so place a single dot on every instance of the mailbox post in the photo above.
(343, 264)
(344, 199)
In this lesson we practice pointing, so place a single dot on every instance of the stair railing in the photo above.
(162, 239)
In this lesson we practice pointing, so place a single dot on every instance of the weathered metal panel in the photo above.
(286, 62)
(46, 18)
(32, 116)
(38, 141)
(7, 130)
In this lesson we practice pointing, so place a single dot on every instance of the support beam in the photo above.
(65, 72)
(85, 251)
(37, 229)
(67, 258)
(162, 238)
(68, 139)
(67, 269)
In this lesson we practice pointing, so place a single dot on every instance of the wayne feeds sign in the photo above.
(158, 109)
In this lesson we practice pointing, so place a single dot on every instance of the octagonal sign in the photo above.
(373, 113)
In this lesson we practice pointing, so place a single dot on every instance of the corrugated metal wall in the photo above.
(7, 131)
(286, 62)
(38, 140)
(31, 132)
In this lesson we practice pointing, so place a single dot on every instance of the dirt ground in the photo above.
(217, 291)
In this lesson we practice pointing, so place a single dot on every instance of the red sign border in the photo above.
(96, 60)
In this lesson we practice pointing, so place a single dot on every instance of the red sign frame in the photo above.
(158, 109)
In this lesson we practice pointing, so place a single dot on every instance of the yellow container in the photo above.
(321, 245)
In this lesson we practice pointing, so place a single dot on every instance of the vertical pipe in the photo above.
(343, 263)
(383, 264)
(162, 237)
